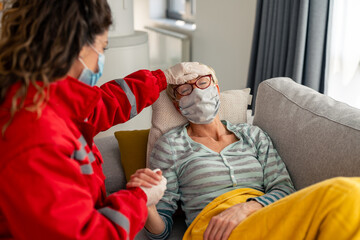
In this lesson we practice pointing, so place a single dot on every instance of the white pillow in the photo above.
(233, 107)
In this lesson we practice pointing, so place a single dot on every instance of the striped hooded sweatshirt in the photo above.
(196, 174)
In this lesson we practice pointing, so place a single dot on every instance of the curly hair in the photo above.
(40, 40)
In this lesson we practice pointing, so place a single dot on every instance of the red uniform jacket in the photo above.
(51, 179)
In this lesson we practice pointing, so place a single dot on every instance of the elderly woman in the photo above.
(207, 159)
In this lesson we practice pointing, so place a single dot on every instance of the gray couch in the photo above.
(317, 137)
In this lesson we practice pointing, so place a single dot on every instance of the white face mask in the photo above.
(201, 106)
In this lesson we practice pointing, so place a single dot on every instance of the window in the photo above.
(174, 14)
(181, 10)
(344, 64)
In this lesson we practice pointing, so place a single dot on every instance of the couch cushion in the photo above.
(317, 137)
(132, 145)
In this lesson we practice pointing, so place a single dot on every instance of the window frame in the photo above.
(187, 16)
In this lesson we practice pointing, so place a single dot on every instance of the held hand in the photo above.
(148, 181)
(221, 226)
(185, 71)
(144, 177)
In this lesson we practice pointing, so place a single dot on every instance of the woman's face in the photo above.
(193, 85)
(90, 56)
(202, 82)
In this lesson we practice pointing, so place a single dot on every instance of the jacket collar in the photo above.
(75, 97)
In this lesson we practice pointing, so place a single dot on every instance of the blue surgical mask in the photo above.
(89, 77)
(201, 106)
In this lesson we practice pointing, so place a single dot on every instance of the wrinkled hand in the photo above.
(185, 71)
(151, 182)
(221, 225)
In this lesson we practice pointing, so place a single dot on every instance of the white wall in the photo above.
(222, 39)
(141, 14)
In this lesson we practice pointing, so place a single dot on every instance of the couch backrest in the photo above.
(114, 172)
(316, 136)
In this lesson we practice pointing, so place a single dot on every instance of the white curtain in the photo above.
(343, 79)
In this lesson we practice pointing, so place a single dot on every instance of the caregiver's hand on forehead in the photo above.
(185, 71)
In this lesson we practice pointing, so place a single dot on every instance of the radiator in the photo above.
(167, 48)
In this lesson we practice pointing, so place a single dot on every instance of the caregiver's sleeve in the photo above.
(277, 182)
(124, 98)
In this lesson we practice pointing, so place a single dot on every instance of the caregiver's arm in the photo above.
(60, 206)
(123, 98)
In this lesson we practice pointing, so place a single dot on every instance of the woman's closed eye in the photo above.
(203, 83)
(185, 91)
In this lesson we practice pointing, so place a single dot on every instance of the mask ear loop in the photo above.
(80, 58)
(95, 49)
(82, 62)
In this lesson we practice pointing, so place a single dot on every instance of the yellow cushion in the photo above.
(132, 145)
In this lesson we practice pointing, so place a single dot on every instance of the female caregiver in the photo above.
(51, 180)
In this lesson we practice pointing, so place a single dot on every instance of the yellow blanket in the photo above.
(327, 210)
(219, 204)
